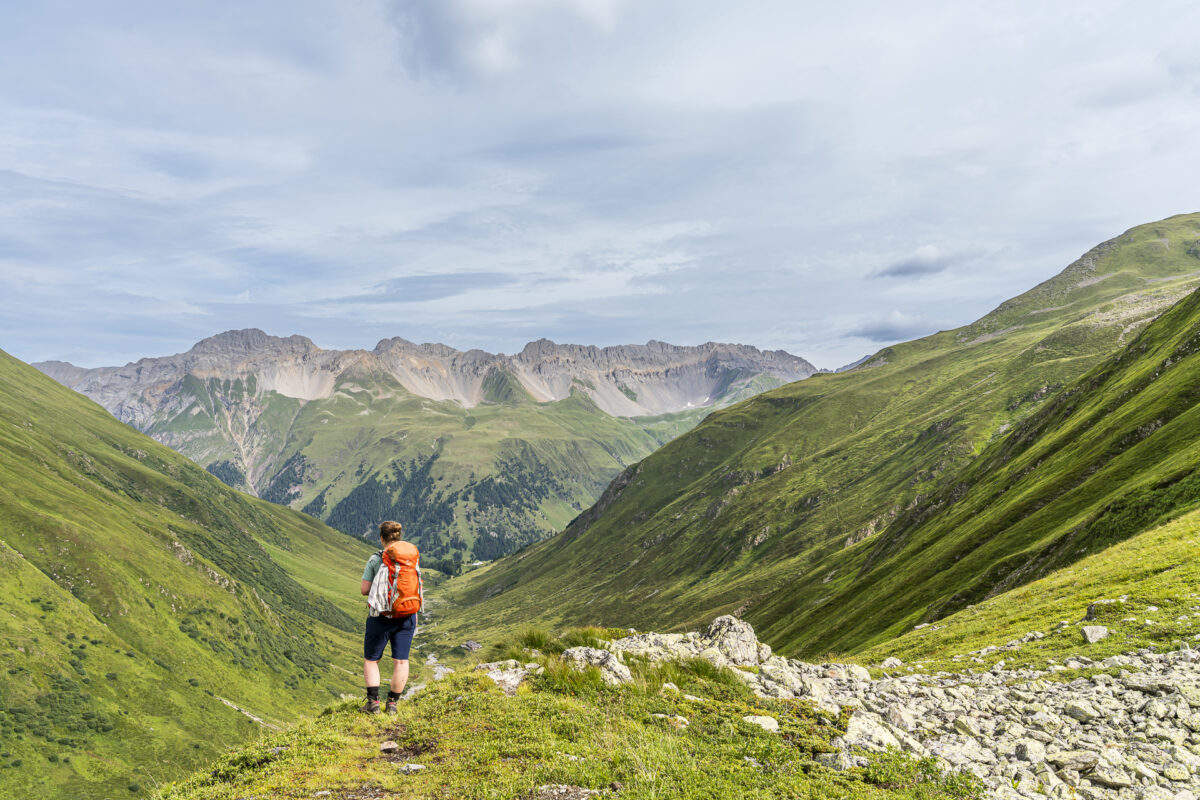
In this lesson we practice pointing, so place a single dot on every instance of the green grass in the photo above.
(839, 511)
(567, 727)
(1157, 569)
(136, 591)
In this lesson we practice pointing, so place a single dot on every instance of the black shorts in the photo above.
(381, 630)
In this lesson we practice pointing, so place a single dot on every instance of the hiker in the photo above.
(393, 602)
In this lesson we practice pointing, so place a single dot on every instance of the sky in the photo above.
(824, 178)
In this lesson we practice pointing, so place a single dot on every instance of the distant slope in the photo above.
(478, 454)
(138, 594)
(844, 508)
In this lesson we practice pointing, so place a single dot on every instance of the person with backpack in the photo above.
(392, 584)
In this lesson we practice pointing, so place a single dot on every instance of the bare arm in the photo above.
(366, 588)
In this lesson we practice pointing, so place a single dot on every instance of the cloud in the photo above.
(468, 40)
(588, 170)
(925, 260)
(895, 327)
(422, 288)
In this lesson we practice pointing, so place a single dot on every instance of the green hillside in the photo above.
(141, 600)
(1154, 578)
(838, 511)
(470, 484)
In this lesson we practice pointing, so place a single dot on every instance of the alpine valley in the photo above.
(984, 541)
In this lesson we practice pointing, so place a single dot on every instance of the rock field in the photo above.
(1132, 735)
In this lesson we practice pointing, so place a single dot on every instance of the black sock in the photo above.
(373, 693)
(393, 696)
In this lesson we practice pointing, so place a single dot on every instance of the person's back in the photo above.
(400, 562)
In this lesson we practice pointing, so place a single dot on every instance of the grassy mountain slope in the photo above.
(139, 602)
(1156, 573)
(810, 509)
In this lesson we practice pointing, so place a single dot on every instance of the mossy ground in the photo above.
(567, 727)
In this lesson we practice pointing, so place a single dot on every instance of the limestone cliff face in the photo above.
(629, 380)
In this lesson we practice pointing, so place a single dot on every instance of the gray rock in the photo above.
(1031, 750)
(867, 731)
(410, 768)
(1081, 710)
(612, 671)
(766, 723)
(899, 716)
(1129, 737)
(1077, 760)
(734, 639)
(560, 791)
(1094, 633)
(858, 673)
(840, 760)
(1109, 776)
(505, 674)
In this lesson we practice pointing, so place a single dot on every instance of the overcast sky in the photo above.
(824, 178)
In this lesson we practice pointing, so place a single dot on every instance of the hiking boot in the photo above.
(391, 707)
(370, 707)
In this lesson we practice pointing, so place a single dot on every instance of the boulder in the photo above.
(1077, 760)
(766, 723)
(611, 669)
(867, 731)
(1109, 776)
(1031, 750)
(857, 673)
(1094, 633)
(505, 674)
(734, 639)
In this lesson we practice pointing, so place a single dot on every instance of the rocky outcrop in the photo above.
(612, 671)
(1129, 732)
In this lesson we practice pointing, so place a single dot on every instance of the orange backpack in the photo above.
(402, 562)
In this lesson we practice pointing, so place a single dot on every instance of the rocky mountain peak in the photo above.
(252, 341)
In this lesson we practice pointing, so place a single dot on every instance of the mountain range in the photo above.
(479, 453)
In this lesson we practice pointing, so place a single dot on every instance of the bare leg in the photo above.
(371, 672)
(399, 675)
